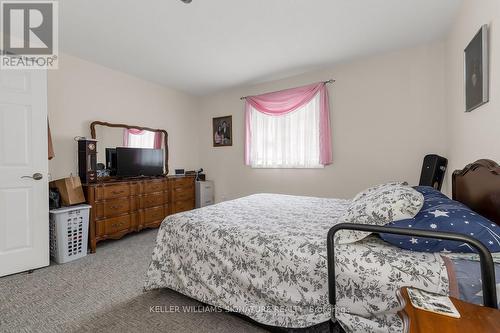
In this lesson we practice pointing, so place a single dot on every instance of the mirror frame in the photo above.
(165, 134)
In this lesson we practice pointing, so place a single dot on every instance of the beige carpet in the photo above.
(103, 293)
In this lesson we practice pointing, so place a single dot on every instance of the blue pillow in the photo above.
(440, 213)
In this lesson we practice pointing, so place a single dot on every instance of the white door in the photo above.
(24, 217)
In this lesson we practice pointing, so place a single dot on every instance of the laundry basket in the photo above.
(69, 231)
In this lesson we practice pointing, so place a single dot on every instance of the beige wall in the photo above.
(476, 134)
(80, 92)
(387, 112)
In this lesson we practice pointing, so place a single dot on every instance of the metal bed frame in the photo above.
(486, 261)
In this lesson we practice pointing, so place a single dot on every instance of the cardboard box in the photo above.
(70, 189)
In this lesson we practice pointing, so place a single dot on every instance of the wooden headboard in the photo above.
(478, 186)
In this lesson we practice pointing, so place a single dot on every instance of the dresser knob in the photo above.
(116, 225)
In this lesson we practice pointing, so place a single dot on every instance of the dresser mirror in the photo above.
(146, 153)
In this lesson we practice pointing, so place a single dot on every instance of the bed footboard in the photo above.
(486, 261)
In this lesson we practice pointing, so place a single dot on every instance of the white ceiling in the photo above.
(210, 45)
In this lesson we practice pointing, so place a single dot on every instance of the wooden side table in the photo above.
(474, 318)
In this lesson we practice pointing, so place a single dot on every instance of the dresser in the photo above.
(120, 207)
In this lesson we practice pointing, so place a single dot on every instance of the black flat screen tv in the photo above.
(135, 162)
(111, 160)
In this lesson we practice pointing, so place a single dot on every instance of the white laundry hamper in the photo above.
(69, 232)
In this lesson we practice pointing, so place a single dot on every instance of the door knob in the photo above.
(36, 176)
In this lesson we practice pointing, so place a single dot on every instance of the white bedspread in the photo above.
(265, 256)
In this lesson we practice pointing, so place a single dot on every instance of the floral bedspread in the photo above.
(265, 256)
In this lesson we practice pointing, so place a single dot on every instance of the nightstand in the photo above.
(474, 318)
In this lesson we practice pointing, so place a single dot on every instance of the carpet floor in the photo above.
(103, 292)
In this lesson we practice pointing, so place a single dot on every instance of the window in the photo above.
(289, 128)
(136, 138)
(291, 140)
(142, 139)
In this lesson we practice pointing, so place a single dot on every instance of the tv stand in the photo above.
(124, 205)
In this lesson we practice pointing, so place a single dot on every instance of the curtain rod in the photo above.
(325, 82)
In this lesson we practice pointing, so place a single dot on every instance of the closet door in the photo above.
(24, 219)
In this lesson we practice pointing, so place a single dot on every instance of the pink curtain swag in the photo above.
(282, 102)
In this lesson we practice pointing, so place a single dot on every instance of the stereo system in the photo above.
(433, 170)
(87, 160)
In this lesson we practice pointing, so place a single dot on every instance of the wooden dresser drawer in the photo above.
(116, 224)
(154, 214)
(153, 200)
(115, 191)
(121, 206)
(182, 182)
(182, 187)
(154, 186)
(114, 207)
(181, 206)
(183, 194)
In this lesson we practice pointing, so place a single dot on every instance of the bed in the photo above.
(264, 256)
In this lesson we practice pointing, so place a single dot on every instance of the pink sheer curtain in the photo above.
(286, 101)
(158, 140)
(127, 132)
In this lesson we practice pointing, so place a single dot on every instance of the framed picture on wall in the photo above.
(222, 131)
(476, 70)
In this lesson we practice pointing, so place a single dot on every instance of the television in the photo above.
(111, 160)
(134, 162)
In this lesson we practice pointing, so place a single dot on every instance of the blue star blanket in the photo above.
(440, 213)
(465, 280)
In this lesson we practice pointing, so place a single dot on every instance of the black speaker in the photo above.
(433, 171)
(87, 160)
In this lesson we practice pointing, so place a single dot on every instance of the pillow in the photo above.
(379, 206)
(440, 213)
(376, 188)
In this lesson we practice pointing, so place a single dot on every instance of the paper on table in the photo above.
(432, 302)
